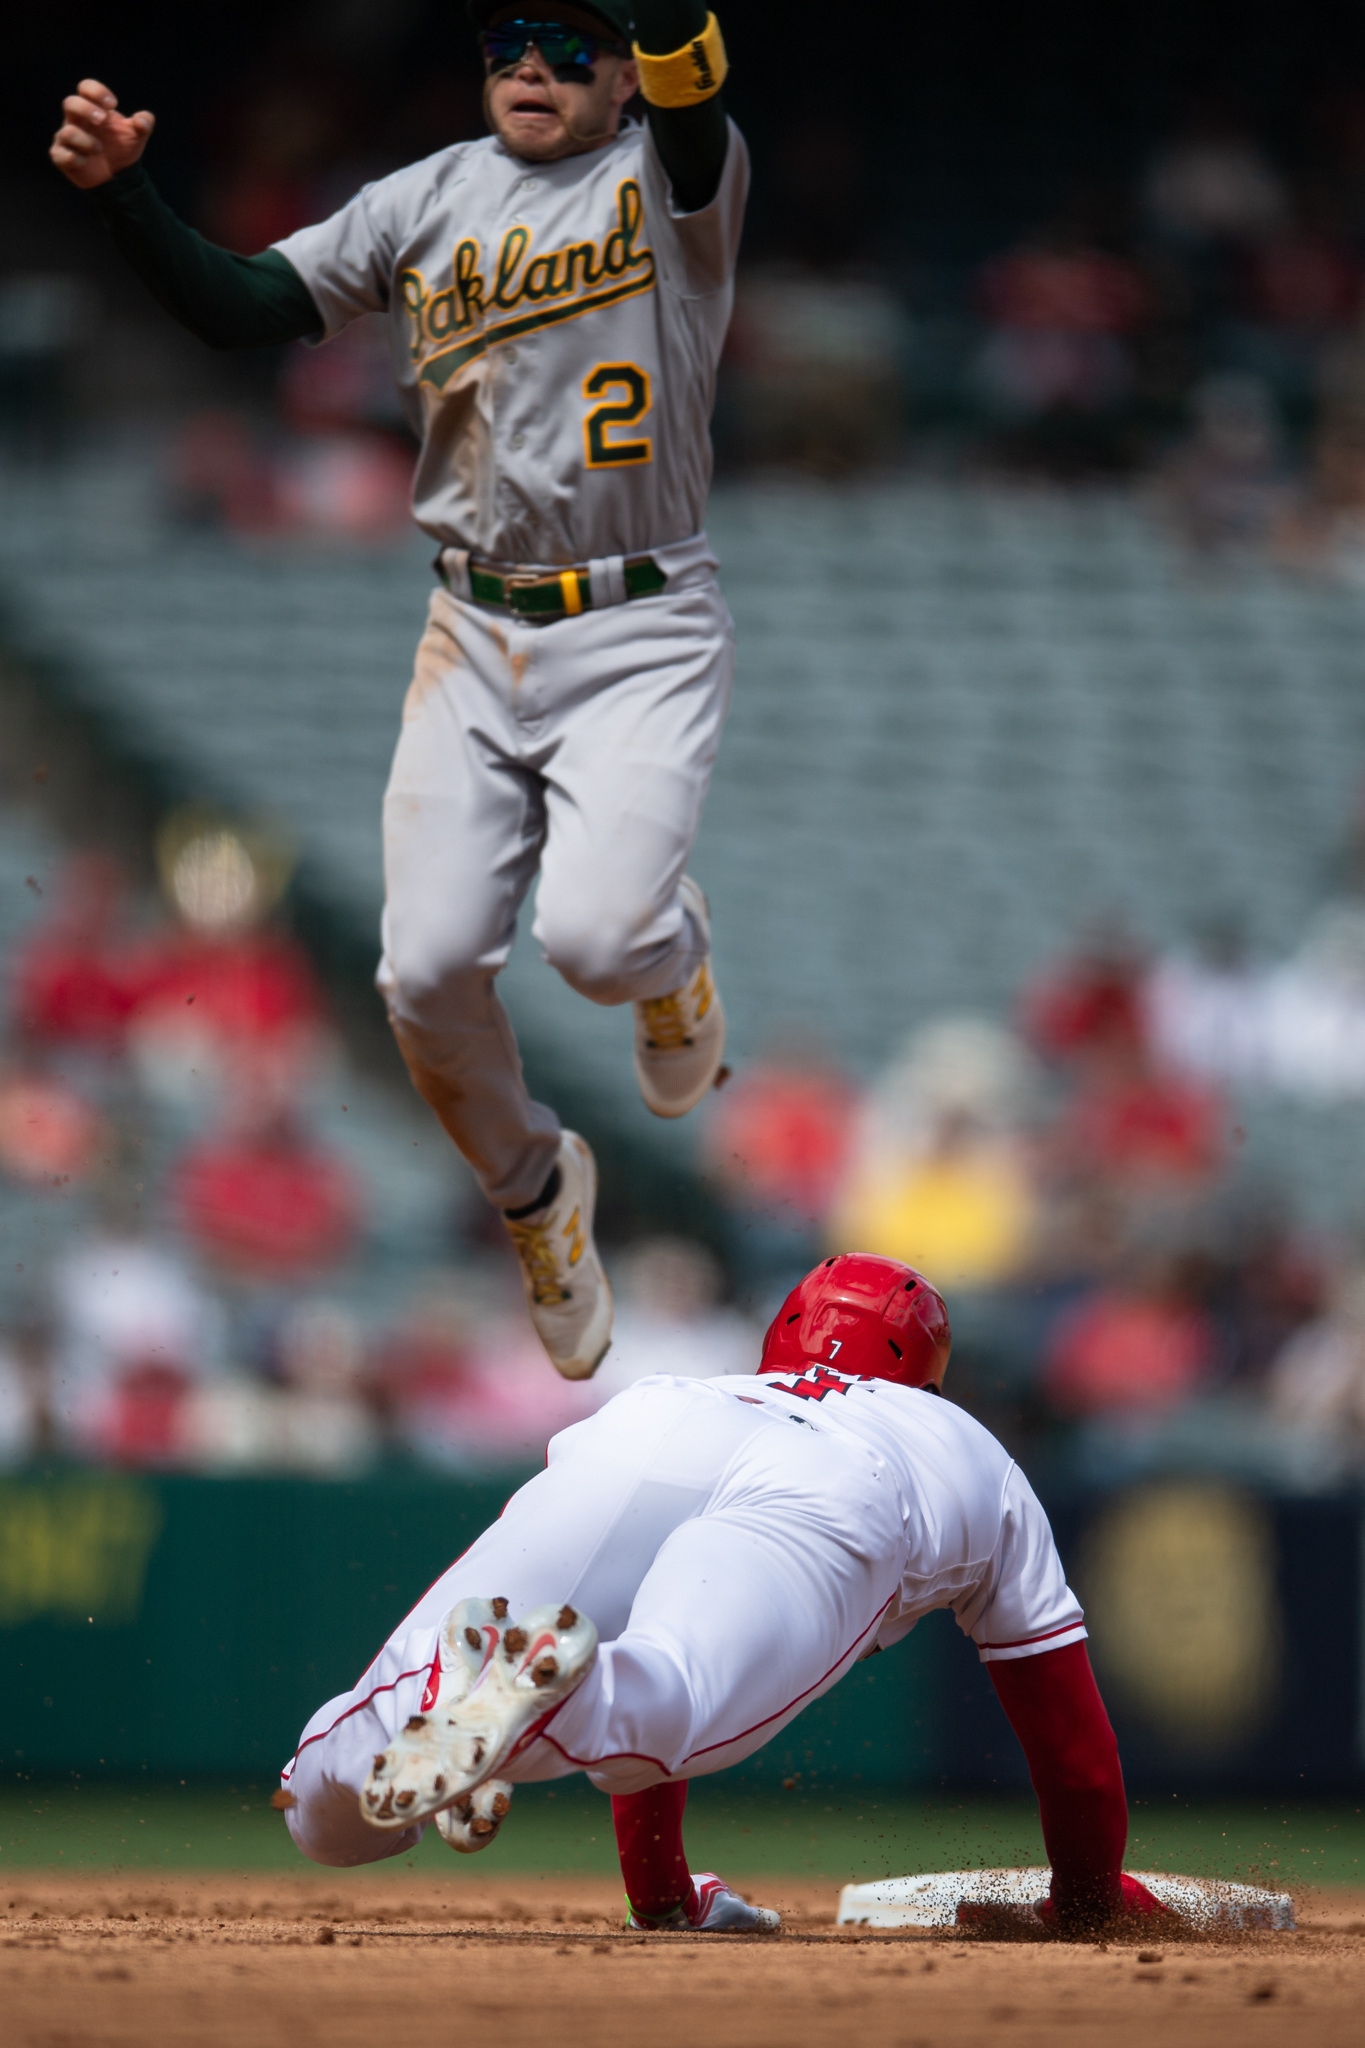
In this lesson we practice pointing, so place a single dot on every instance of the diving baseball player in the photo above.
(557, 296)
(696, 1563)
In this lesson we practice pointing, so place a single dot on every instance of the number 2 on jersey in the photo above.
(608, 379)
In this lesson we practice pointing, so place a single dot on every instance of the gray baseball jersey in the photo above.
(555, 330)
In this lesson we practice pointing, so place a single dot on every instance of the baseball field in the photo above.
(172, 1914)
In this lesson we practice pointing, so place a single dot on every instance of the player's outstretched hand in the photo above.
(1037, 1920)
(95, 140)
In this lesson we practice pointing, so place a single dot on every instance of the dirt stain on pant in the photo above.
(436, 1090)
(438, 652)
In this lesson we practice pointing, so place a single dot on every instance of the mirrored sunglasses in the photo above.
(563, 48)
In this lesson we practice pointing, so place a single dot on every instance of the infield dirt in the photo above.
(219, 1963)
(100, 1962)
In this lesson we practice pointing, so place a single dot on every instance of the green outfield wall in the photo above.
(185, 1627)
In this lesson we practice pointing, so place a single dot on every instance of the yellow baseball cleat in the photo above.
(680, 1038)
(566, 1288)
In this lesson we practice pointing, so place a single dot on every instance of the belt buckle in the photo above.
(512, 584)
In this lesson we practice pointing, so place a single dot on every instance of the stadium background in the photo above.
(1036, 851)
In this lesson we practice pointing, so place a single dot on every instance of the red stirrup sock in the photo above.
(649, 1840)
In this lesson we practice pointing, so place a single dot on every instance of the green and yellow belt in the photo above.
(560, 593)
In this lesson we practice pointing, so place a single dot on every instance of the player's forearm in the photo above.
(228, 301)
(1055, 1709)
(691, 141)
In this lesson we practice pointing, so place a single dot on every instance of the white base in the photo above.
(932, 1900)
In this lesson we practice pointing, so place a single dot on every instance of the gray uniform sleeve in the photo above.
(696, 252)
(347, 261)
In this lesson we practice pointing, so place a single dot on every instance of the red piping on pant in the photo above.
(323, 1733)
(623, 1755)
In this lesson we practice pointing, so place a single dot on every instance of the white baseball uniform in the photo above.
(556, 329)
(740, 1544)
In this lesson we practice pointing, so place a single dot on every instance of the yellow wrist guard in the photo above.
(692, 74)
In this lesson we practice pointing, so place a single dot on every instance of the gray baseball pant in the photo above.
(583, 748)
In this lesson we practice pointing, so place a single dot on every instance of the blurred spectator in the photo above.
(131, 1332)
(264, 1202)
(815, 370)
(1090, 1003)
(961, 1209)
(223, 1000)
(1059, 310)
(1274, 1284)
(775, 1142)
(346, 386)
(232, 1423)
(50, 1134)
(669, 1319)
(1318, 1380)
(1212, 183)
(421, 1373)
(69, 977)
(142, 1416)
(218, 475)
(500, 1408)
(344, 484)
(1147, 1132)
(326, 1424)
(1134, 1143)
(1138, 1346)
(317, 1420)
(1205, 1009)
(939, 1176)
(1315, 1009)
(1225, 487)
(1305, 278)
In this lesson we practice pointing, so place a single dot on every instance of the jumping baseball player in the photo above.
(696, 1563)
(557, 295)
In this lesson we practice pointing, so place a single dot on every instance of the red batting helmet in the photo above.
(871, 1317)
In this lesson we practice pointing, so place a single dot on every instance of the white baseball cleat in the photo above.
(567, 1290)
(680, 1038)
(452, 1750)
(470, 1634)
(712, 1909)
(473, 1821)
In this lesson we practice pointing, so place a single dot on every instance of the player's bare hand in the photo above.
(95, 141)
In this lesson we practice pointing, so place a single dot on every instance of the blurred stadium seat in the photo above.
(966, 720)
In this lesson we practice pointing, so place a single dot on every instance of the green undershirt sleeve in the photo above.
(691, 141)
(228, 301)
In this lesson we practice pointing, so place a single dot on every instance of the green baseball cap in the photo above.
(617, 15)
